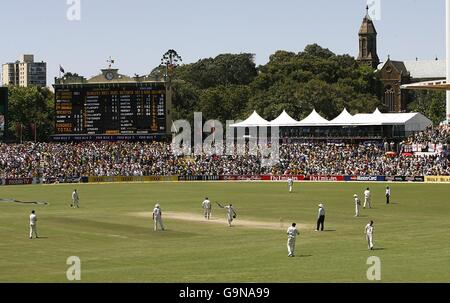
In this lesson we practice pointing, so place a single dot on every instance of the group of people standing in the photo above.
(207, 210)
(368, 198)
(292, 231)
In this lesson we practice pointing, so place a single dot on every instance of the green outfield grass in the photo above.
(116, 245)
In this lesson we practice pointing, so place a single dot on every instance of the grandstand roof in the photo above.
(344, 117)
(313, 119)
(284, 120)
(411, 121)
(254, 120)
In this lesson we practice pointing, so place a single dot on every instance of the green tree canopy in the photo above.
(29, 106)
(230, 86)
(430, 103)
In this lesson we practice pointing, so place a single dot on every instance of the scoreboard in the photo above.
(116, 110)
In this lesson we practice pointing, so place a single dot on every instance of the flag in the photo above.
(61, 69)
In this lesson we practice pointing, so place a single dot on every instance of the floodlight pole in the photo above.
(170, 59)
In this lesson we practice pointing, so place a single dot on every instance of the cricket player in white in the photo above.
(231, 213)
(388, 194)
(368, 230)
(157, 217)
(206, 208)
(357, 204)
(290, 183)
(75, 199)
(367, 198)
(292, 233)
(33, 220)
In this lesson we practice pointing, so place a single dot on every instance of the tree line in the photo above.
(231, 86)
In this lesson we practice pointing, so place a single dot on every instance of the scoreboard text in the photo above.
(110, 111)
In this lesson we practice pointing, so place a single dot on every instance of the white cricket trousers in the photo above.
(367, 202)
(369, 238)
(158, 221)
(290, 188)
(76, 203)
(207, 213)
(356, 210)
(229, 219)
(33, 230)
(291, 246)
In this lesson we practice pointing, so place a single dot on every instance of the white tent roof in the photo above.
(284, 120)
(412, 121)
(253, 120)
(375, 118)
(343, 118)
(313, 119)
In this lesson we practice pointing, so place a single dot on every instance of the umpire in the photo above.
(320, 217)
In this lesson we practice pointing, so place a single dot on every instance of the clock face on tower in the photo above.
(109, 76)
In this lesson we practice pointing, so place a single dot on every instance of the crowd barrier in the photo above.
(131, 179)
(437, 179)
(20, 181)
(311, 178)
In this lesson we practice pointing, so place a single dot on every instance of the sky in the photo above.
(136, 33)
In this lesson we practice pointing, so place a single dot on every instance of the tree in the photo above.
(225, 69)
(313, 79)
(230, 86)
(31, 107)
(430, 103)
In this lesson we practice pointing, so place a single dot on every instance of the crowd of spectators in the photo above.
(64, 160)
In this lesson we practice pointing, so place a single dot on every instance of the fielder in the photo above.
(368, 230)
(157, 217)
(388, 194)
(75, 199)
(357, 204)
(206, 205)
(231, 213)
(290, 183)
(367, 198)
(292, 233)
(33, 229)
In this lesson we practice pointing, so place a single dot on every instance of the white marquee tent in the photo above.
(252, 121)
(284, 120)
(411, 121)
(313, 119)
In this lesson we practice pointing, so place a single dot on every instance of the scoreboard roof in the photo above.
(106, 77)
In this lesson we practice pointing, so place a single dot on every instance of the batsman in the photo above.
(231, 213)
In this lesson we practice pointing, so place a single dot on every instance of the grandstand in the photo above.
(421, 154)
